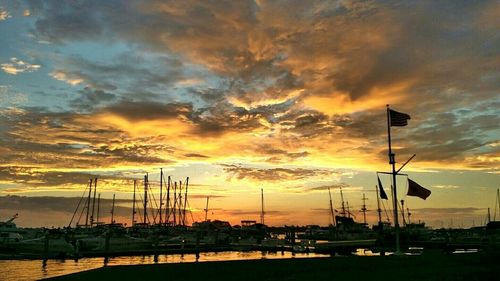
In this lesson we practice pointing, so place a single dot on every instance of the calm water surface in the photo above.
(11, 270)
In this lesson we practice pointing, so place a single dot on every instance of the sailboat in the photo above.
(494, 225)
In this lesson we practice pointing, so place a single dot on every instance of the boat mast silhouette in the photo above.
(332, 213)
(262, 206)
(206, 209)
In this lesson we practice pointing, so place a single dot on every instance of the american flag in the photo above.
(398, 119)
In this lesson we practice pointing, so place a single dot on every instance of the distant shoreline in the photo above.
(431, 266)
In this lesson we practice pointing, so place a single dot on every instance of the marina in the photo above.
(249, 140)
(345, 236)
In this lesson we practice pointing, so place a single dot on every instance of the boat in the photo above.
(9, 233)
(52, 244)
(113, 240)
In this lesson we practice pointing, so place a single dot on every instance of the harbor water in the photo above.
(20, 270)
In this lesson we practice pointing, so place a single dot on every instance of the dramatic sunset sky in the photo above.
(288, 96)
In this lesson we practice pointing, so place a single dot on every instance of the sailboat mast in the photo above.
(113, 210)
(343, 204)
(161, 194)
(167, 211)
(133, 204)
(332, 214)
(379, 210)
(364, 208)
(498, 199)
(175, 201)
(98, 207)
(179, 207)
(145, 198)
(88, 205)
(262, 206)
(348, 212)
(185, 201)
(497, 204)
(206, 209)
(93, 203)
(78, 207)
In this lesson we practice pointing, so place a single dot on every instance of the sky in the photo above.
(285, 96)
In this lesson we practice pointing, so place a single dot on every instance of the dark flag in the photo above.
(398, 119)
(414, 189)
(381, 188)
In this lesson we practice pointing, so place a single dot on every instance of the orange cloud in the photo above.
(342, 103)
(162, 127)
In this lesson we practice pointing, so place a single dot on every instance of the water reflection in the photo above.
(11, 270)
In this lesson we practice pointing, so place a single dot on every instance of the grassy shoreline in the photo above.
(479, 266)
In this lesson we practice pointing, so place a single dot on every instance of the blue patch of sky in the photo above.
(160, 65)
(467, 115)
(104, 52)
(37, 86)
(42, 90)
(14, 36)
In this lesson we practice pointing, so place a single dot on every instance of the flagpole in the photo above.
(379, 211)
(392, 161)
